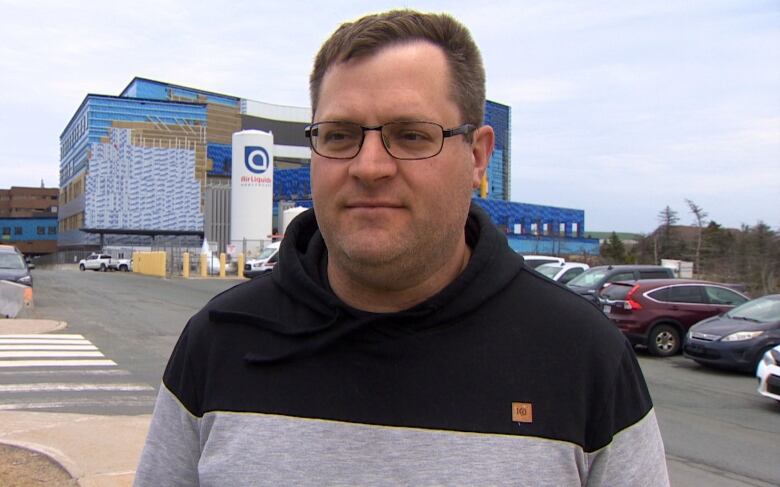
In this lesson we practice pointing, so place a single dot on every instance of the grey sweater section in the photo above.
(252, 449)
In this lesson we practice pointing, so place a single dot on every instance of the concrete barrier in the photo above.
(13, 298)
(149, 263)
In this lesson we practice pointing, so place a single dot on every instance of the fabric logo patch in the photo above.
(522, 412)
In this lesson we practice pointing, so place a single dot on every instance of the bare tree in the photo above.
(700, 220)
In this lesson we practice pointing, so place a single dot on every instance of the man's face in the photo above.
(376, 212)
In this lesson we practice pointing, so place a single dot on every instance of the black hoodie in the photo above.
(501, 353)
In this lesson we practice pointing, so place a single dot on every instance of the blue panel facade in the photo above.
(499, 173)
(27, 229)
(525, 244)
(97, 114)
(528, 219)
(221, 156)
(292, 184)
(155, 90)
(529, 225)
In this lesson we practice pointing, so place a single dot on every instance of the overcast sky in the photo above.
(618, 108)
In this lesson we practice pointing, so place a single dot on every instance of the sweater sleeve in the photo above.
(172, 449)
(633, 455)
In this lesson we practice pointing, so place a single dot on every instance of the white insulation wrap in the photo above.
(252, 186)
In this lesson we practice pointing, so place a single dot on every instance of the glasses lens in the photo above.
(412, 140)
(339, 140)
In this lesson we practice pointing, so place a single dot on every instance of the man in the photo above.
(399, 340)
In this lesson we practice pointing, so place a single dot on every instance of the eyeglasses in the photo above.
(402, 140)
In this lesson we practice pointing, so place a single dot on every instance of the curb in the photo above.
(52, 454)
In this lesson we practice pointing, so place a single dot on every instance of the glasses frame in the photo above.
(464, 129)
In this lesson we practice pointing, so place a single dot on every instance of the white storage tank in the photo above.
(288, 215)
(252, 186)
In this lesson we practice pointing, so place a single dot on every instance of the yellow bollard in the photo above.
(204, 270)
(221, 264)
(185, 265)
(241, 264)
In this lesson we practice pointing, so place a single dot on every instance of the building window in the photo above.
(41, 230)
(52, 230)
(17, 230)
(6, 231)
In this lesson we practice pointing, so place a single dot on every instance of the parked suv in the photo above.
(657, 313)
(13, 266)
(562, 273)
(534, 261)
(590, 282)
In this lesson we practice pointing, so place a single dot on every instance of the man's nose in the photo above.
(373, 162)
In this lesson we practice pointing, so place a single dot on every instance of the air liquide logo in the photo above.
(257, 161)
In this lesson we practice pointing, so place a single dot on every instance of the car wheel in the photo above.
(81, 267)
(102, 267)
(123, 268)
(664, 341)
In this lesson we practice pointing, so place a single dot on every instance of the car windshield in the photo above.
(548, 270)
(589, 278)
(11, 260)
(266, 253)
(764, 310)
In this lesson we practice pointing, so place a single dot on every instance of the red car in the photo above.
(658, 312)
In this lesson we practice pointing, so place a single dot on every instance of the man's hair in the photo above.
(372, 33)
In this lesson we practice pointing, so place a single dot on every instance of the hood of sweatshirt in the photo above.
(305, 316)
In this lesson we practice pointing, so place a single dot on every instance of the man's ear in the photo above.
(481, 150)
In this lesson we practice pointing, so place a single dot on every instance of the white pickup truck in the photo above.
(104, 262)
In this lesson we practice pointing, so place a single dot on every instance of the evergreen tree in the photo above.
(613, 250)
(666, 246)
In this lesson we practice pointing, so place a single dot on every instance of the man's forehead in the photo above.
(403, 70)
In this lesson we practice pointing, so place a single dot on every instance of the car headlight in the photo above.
(741, 335)
(689, 335)
(25, 280)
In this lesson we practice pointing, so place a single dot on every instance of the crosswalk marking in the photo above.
(55, 336)
(57, 363)
(61, 372)
(32, 341)
(49, 354)
(48, 347)
(66, 387)
(64, 372)
(79, 402)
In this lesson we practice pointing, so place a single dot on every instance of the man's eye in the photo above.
(336, 136)
(412, 136)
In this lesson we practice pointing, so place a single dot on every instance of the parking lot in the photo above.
(717, 429)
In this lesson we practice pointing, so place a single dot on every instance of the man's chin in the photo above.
(375, 250)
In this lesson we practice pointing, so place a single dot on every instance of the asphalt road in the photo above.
(718, 431)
